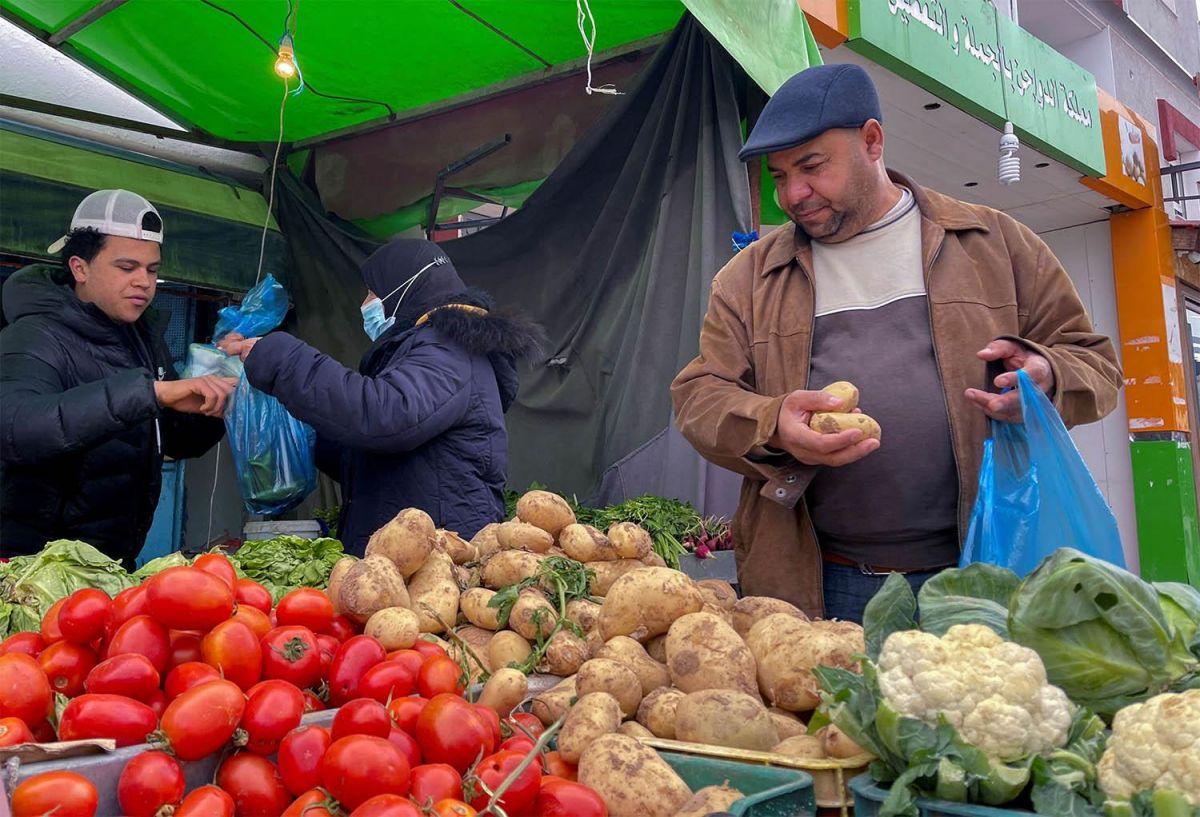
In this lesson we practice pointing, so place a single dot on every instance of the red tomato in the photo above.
(232, 648)
(186, 598)
(128, 603)
(433, 782)
(453, 808)
(107, 716)
(61, 794)
(427, 649)
(269, 715)
(518, 743)
(305, 607)
(186, 676)
(292, 654)
(525, 723)
(439, 674)
(343, 629)
(43, 732)
(130, 675)
(206, 801)
(85, 615)
(386, 681)
(258, 621)
(489, 716)
(14, 731)
(312, 703)
(185, 647)
(493, 770)
(203, 719)
(314, 803)
(24, 688)
(362, 716)
(361, 766)
(51, 631)
(404, 712)
(28, 643)
(407, 745)
(350, 664)
(386, 805)
(148, 782)
(157, 700)
(300, 754)
(555, 765)
(409, 658)
(249, 593)
(144, 636)
(562, 798)
(254, 784)
(218, 565)
(67, 665)
(450, 732)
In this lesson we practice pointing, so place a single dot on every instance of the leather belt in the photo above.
(873, 570)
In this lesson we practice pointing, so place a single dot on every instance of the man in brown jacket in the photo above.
(912, 296)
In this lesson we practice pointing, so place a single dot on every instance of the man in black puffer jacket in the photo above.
(89, 401)
(421, 423)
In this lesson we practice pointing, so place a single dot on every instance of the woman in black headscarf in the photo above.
(421, 423)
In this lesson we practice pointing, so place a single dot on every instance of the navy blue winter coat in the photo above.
(421, 423)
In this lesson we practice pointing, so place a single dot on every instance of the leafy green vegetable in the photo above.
(30, 585)
(976, 594)
(892, 609)
(285, 563)
(1101, 631)
(565, 580)
(158, 565)
(1065, 782)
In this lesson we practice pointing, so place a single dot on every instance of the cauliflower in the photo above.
(1155, 746)
(993, 692)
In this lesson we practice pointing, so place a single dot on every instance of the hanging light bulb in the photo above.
(285, 62)
(1009, 167)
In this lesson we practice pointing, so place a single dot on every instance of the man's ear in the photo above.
(872, 136)
(79, 269)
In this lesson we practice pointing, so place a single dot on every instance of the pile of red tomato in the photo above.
(196, 662)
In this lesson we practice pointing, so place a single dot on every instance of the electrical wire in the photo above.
(262, 246)
(584, 18)
(212, 498)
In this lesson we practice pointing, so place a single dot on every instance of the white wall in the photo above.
(1086, 253)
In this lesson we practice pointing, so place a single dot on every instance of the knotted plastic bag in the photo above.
(1036, 494)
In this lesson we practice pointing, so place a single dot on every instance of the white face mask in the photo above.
(374, 322)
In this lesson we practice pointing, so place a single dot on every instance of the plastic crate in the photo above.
(868, 798)
(770, 791)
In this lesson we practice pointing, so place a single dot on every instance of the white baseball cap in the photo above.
(113, 212)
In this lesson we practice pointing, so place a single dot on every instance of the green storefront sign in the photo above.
(967, 53)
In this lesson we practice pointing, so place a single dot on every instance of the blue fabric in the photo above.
(1036, 494)
(421, 425)
(813, 101)
(848, 589)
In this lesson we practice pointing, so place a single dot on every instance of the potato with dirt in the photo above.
(333, 587)
(565, 654)
(709, 800)
(509, 567)
(434, 593)
(703, 652)
(846, 392)
(787, 650)
(458, 549)
(656, 648)
(504, 691)
(396, 628)
(646, 602)
(724, 717)
(657, 711)
(595, 714)
(407, 540)
(523, 536)
(371, 585)
(803, 747)
(618, 680)
(550, 705)
(507, 647)
(630, 540)
(786, 723)
(485, 542)
(532, 616)
(837, 744)
(545, 510)
(605, 574)
(749, 611)
(479, 640)
(718, 593)
(635, 730)
(584, 613)
(583, 543)
(624, 650)
(631, 778)
(827, 422)
(474, 606)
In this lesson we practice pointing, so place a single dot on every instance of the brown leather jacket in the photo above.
(986, 275)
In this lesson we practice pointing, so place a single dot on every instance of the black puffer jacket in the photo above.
(82, 437)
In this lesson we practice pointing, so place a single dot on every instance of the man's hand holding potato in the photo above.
(794, 435)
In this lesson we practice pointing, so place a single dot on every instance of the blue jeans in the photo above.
(848, 589)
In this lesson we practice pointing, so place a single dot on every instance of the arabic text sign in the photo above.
(966, 52)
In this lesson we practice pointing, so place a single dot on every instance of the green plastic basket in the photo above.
(770, 791)
(868, 798)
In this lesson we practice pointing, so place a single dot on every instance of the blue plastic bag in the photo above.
(273, 452)
(1036, 494)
